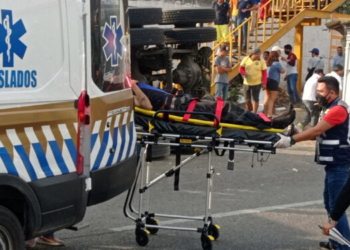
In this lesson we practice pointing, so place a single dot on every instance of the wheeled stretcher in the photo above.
(163, 125)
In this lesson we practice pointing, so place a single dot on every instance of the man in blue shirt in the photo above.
(338, 58)
(222, 21)
(244, 9)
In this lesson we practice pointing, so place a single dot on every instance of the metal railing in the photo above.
(262, 24)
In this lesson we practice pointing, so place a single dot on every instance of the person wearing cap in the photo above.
(253, 70)
(273, 80)
(315, 62)
(222, 67)
(337, 73)
(291, 74)
(223, 20)
(309, 100)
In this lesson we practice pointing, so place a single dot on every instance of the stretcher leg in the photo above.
(145, 221)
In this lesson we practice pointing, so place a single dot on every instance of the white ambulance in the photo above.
(67, 136)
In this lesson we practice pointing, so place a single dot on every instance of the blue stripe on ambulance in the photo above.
(123, 143)
(28, 165)
(58, 157)
(71, 149)
(131, 139)
(114, 146)
(102, 150)
(6, 158)
(42, 159)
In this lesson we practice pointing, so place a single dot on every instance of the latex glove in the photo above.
(284, 142)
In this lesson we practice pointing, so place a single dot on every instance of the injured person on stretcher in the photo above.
(151, 98)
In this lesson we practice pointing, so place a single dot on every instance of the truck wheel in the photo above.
(189, 35)
(11, 233)
(159, 151)
(143, 16)
(146, 36)
(188, 17)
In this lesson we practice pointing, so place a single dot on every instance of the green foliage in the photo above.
(234, 91)
(344, 8)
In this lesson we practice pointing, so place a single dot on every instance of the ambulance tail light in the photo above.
(83, 105)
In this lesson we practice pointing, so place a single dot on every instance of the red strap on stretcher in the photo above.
(264, 117)
(218, 111)
(190, 108)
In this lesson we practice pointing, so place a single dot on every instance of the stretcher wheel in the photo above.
(152, 221)
(142, 237)
(213, 230)
(206, 242)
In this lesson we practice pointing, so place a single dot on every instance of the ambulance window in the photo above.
(109, 64)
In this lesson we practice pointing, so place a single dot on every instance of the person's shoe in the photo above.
(299, 104)
(326, 246)
(283, 122)
(300, 126)
(52, 241)
(30, 243)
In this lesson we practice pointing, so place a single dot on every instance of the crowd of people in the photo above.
(264, 72)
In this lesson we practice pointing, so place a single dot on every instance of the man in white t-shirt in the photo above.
(309, 100)
(337, 73)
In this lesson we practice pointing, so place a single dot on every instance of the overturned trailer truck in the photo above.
(170, 46)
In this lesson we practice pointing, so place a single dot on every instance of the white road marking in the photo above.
(229, 214)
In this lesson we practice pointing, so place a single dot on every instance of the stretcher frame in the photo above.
(146, 222)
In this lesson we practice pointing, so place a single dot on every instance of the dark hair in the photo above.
(273, 57)
(339, 47)
(267, 52)
(337, 67)
(317, 71)
(331, 83)
(288, 46)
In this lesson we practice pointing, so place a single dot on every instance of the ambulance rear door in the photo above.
(38, 115)
(113, 138)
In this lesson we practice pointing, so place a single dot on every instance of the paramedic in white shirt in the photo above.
(337, 73)
(309, 100)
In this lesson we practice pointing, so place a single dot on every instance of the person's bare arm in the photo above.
(220, 70)
(313, 132)
(229, 69)
(254, 7)
(140, 99)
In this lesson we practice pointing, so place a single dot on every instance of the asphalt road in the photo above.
(274, 206)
